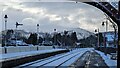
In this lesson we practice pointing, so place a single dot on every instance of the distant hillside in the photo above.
(81, 33)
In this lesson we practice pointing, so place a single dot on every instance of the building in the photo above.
(110, 38)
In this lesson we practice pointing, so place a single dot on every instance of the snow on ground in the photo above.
(61, 60)
(56, 60)
(49, 59)
(24, 54)
(70, 58)
(107, 59)
(69, 62)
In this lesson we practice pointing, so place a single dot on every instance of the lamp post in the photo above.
(37, 36)
(37, 33)
(5, 32)
(55, 37)
(97, 30)
(5, 29)
(105, 41)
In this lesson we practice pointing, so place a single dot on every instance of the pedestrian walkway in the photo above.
(111, 63)
(10, 56)
(91, 59)
(14, 59)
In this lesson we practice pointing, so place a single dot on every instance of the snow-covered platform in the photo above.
(13, 59)
(111, 63)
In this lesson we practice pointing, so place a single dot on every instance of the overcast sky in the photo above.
(50, 15)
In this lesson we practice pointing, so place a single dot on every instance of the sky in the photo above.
(52, 15)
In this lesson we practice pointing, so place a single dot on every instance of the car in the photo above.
(113, 56)
(46, 43)
(30, 45)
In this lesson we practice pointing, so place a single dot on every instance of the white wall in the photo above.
(13, 49)
(2, 50)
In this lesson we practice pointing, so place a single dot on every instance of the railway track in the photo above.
(56, 61)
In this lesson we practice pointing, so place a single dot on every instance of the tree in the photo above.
(65, 38)
(6, 35)
(65, 32)
(89, 41)
(9, 34)
(32, 39)
(58, 38)
(40, 39)
(101, 38)
(24, 39)
(74, 36)
(47, 37)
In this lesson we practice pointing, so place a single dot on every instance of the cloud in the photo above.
(50, 15)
